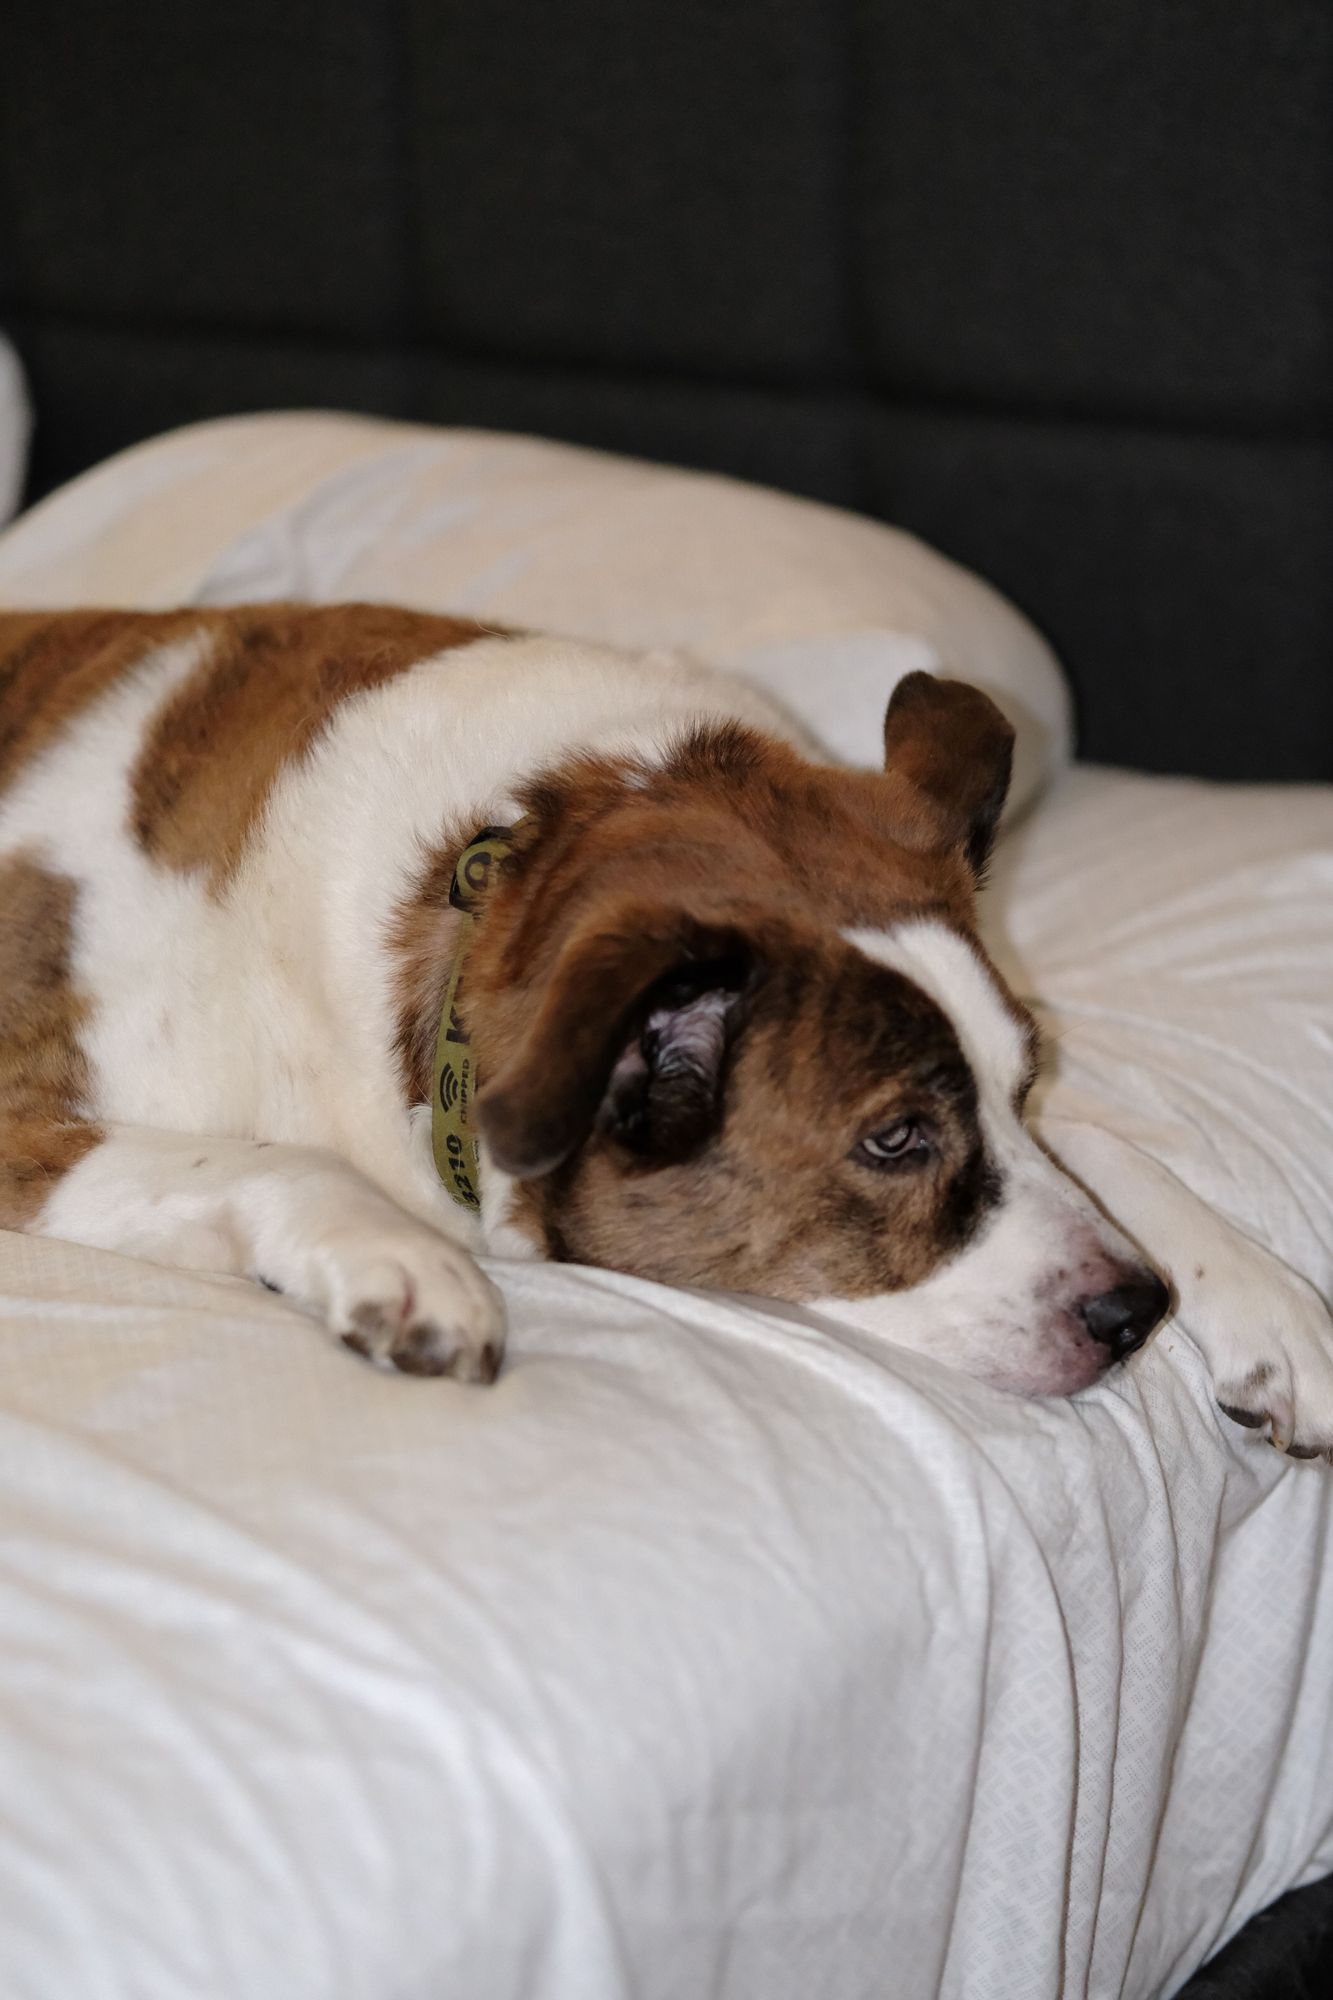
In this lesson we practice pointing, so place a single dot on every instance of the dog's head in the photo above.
(742, 1033)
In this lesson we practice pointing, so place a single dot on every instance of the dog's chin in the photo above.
(1043, 1358)
(1063, 1369)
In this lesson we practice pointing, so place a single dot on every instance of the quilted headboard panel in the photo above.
(1051, 285)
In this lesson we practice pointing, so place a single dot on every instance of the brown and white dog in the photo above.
(732, 1019)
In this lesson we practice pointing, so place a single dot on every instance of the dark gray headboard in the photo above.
(1051, 284)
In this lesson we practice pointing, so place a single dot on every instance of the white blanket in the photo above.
(713, 1654)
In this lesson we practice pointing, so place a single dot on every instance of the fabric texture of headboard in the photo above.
(1051, 286)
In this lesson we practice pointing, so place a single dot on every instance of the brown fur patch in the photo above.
(733, 817)
(54, 664)
(43, 1076)
(258, 702)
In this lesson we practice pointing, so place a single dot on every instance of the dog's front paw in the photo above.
(406, 1298)
(1268, 1337)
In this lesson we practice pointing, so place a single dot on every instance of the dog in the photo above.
(340, 943)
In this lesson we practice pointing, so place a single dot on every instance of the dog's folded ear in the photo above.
(631, 1039)
(951, 744)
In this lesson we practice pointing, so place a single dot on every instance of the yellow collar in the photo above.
(454, 1080)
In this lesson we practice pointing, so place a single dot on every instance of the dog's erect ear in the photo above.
(954, 747)
(631, 1038)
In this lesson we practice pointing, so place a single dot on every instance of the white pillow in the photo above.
(15, 429)
(825, 609)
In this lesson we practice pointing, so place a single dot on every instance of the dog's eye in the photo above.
(895, 1145)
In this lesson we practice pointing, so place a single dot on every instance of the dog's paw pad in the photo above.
(416, 1304)
(426, 1348)
(1272, 1356)
(396, 1334)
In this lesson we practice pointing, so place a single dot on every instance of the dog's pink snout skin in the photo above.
(1116, 1303)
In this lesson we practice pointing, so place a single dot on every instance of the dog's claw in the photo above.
(1279, 1419)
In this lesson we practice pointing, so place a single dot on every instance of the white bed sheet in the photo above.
(710, 1653)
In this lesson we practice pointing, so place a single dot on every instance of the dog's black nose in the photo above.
(1122, 1318)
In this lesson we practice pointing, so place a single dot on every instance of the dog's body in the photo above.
(730, 1014)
